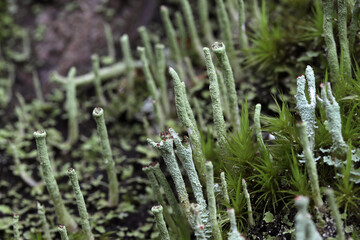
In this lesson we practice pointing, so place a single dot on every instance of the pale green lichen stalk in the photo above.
(332, 109)
(332, 57)
(159, 218)
(161, 71)
(16, 226)
(234, 233)
(220, 52)
(184, 153)
(306, 109)
(97, 80)
(248, 203)
(310, 165)
(80, 202)
(343, 37)
(50, 182)
(167, 152)
(243, 40)
(98, 115)
(63, 232)
(190, 23)
(225, 28)
(167, 189)
(336, 214)
(212, 200)
(171, 34)
(45, 224)
(224, 188)
(215, 99)
(305, 228)
(149, 53)
(152, 88)
(182, 102)
(205, 21)
(71, 106)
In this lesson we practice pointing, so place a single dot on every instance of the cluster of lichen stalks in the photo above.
(201, 216)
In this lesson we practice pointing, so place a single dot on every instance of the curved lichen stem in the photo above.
(85, 224)
(50, 181)
(98, 115)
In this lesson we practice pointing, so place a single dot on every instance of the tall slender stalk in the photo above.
(98, 115)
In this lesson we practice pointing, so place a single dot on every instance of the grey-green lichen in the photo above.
(234, 233)
(336, 214)
(310, 165)
(182, 109)
(63, 232)
(71, 106)
(220, 52)
(332, 109)
(50, 182)
(248, 203)
(98, 114)
(159, 218)
(212, 201)
(45, 224)
(215, 99)
(306, 109)
(80, 202)
(305, 228)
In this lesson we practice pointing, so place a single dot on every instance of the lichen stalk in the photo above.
(205, 21)
(167, 189)
(224, 188)
(37, 86)
(159, 218)
(109, 42)
(98, 114)
(225, 28)
(105, 73)
(71, 106)
(332, 110)
(152, 88)
(184, 153)
(63, 232)
(190, 23)
(50, 182)
(184, 118)
(336, 214)
(97, 81)
(171, 34)
(181, 32)
(248, 203)
(332, 57)
(224, 96)
(215, 99)
(243, 39)
(148, 48)
(212, 200)
(354, 25)
(16, 226)
(161, 71)
(234, 233)
(148, 170)
(306, 109)
(257, 124)
(80, 202)
(343, 37)
(167, 152)
(310, 165)
(45, 224)
(130, 73)
(220, 52)
(305, 228)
